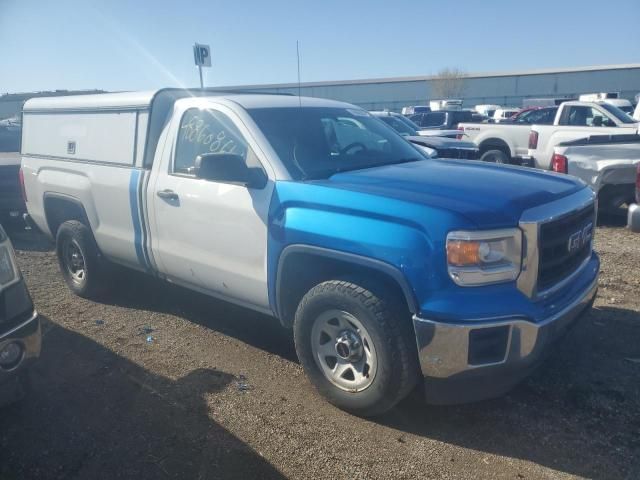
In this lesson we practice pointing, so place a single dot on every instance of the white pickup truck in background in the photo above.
(607, 163)
(516, 142)
(576, 120)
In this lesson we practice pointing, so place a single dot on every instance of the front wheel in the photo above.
(356, 346)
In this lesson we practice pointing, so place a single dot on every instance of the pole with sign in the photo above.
(202, 57)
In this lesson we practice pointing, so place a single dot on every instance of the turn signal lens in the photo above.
(484, 257)
(462, 252)
(559, 163)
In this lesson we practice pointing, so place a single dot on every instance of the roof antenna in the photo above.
(298, 55)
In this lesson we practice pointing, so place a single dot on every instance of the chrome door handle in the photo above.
(167, 194)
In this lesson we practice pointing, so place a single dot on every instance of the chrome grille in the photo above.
(564, 246)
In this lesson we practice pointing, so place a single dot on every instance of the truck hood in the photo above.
(491, 196)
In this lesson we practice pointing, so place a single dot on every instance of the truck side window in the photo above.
(586, 117)
(208, 131)
(435, 119)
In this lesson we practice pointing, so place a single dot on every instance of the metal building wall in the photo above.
(507, 90)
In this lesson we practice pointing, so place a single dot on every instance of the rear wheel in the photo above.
(356, 346)
(82, 268)
(495, 156)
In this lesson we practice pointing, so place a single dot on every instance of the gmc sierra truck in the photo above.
(392, 268)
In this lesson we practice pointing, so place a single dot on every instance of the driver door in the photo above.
(209, 235)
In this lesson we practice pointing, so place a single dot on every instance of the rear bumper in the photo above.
(633, 218)
(27, 336)
(464, 362)
(12, 207)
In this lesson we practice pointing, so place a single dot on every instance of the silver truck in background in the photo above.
(607, 163)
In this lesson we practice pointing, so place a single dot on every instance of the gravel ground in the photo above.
(160, 382)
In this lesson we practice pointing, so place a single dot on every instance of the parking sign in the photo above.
(202, 55)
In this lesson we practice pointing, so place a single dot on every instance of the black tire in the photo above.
(388, 325)
(495, 156)
(95, 279)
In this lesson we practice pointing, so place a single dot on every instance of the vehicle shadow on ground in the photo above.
(612, 219)
(107, 417)
(133, 289)
(578, 413)
(28, 240)
(136, 290)
(584, 398)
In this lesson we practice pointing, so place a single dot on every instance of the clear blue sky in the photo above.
(129, 44)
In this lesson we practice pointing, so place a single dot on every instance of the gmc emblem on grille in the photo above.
(580, 238)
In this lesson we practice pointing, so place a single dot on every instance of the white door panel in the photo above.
(214, 236)
(210, 235)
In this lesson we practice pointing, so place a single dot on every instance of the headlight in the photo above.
(484, 257)
(8, 269)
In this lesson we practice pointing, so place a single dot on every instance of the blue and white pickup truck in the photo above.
(389, 266)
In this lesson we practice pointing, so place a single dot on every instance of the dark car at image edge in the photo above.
(20, 336)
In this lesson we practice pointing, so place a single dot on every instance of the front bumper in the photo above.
(633, 218)
(464, 362)
(27, 336)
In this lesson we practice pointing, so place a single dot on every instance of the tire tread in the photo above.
(388, 312)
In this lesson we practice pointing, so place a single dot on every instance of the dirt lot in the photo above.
(164, 383)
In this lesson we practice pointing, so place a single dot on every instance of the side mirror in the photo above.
(597, 122)
(228, 168)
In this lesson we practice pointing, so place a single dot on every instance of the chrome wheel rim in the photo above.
(344, 351)
(74, 261)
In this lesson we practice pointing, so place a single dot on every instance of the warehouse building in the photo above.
(504, 88)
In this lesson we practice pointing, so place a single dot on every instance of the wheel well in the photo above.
(495, 144)
(59, 209)
(301, 271)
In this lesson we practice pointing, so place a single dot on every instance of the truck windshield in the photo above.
(399, 126)
(317, 142)
(407, 122)
(619, 114)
